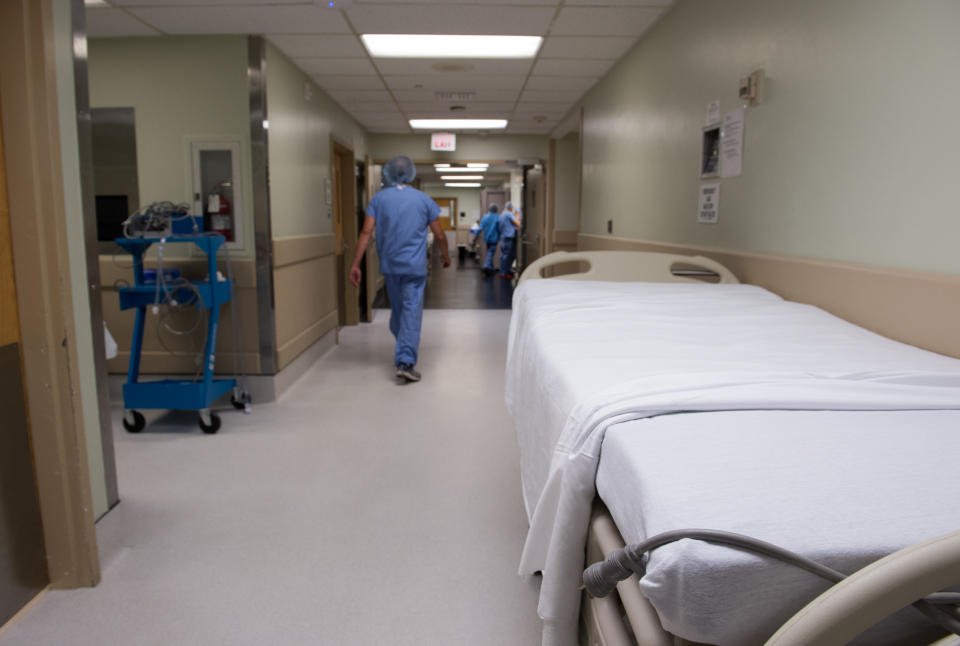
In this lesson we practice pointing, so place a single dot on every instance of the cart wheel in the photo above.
(241, 403)
(214, 424)
(138, 421)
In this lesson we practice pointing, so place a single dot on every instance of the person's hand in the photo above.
(355, 276)
(446, 261)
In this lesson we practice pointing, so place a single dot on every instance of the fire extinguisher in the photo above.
(221, 215)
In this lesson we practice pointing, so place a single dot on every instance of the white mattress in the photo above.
(843, 488)
(585, 355)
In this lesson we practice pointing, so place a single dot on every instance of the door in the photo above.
(23, 569)
(533, 215)
(338, 237)
(448, 220)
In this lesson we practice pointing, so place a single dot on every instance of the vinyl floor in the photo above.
(354, 511)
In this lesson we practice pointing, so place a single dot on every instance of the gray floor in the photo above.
(352, 512)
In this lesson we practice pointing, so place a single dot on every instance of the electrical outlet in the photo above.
(609, 226)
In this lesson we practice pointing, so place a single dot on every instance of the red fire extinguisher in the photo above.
(221, 215)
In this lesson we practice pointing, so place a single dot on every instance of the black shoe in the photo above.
(406, 371)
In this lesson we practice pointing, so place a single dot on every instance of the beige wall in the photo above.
(469, 147)
(303, 119)
(852, 157)
(182, 88)
(299, 143)
(567, 184)
(73, 204)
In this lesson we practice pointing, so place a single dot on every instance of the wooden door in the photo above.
(23, 569)
(337, 206)
(533, 216)
(448, 220)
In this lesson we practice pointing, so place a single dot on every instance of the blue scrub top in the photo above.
(490, 226)
(507, 230)
(402, 214)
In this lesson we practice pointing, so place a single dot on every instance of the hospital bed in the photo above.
(684, 404)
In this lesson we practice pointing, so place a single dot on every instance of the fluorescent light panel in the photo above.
(458, 124)
(441, 165)
(459, 169)
(484, 165)
(450, 46)
(455, 177)
(463, 184)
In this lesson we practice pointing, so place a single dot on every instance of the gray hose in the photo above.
(601, 578)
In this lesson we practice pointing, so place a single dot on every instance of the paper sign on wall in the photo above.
(713, 112)
(731, 144)
(709, 209)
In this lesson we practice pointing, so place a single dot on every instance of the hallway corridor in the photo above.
(352, 512)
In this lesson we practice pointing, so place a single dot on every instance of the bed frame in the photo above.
(629, 266)
(626, 618)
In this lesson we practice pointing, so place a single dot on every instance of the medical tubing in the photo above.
(601, 578)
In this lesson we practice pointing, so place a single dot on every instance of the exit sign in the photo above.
(443, 141)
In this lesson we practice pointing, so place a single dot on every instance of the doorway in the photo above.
(343, 205)
(23, 564)
(533, 214)
(448, 220)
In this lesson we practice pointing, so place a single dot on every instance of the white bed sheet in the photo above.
(844, 488)
(584, 355)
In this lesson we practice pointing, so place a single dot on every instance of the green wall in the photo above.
(852, 157)
(299, 143)
(182, 89)
(567, 179)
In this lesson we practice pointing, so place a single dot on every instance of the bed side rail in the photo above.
(632, 266)
(873, 593)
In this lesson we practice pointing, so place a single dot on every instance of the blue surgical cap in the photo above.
(399, 170)
(508, 207)
(494, 208)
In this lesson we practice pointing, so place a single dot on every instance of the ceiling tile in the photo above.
(455, 82)
(115, 22)
(526, 114)
(551, 3)
(537, 107)
(370, 107)
(604, 21)
(480, 95)
(308, 45)
(544, 96)
(610, 48)
(328, 66)
(280, 19)
(623, 3)
(358, 96)
(561, 83)
(181, 3)
(440, 109)
(451, 19)
(349, 82)
(447, 67)
(571, 67)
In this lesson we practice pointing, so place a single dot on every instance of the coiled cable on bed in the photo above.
(601, 578)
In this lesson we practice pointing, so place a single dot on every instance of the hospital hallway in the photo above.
(353, 511)
(465, 287)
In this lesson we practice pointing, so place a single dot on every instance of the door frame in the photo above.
(347, 214)
(28, 102)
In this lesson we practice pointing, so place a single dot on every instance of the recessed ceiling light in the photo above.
(463, 184)
(450, 46)
(456, 177)
(458, 124)
(95, 3)
(458, 170)
(441, 165)
(478, 165)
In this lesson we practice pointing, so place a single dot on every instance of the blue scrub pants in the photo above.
(491, 251)
(508, 252)
(406, 313)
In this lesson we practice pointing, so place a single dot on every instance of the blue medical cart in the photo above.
(175, 394)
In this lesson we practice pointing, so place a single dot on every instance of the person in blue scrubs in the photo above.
(401, 215)
(490, 225)
(509, 223)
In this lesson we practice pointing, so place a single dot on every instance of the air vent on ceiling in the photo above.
(455, 96)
